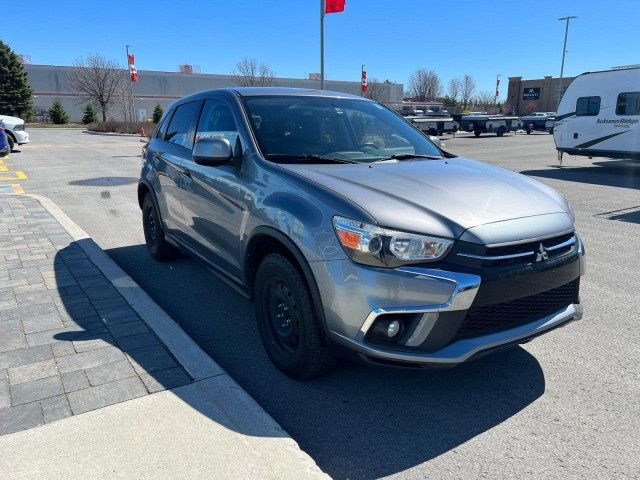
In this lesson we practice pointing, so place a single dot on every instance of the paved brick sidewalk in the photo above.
(69, 342)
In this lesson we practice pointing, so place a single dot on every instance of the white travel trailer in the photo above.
(599, 115)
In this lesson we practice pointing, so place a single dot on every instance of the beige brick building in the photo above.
(540, 95)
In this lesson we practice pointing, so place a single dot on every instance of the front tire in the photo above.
(500, 131)
(287, 321)
(477, 133)
(10, 141)
(157, 245)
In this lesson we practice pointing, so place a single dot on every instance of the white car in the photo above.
(14, 128)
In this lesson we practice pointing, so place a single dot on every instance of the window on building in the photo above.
(178, 130)
(587, 106)
(628, 103)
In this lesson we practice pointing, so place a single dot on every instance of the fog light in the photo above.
(393, 329)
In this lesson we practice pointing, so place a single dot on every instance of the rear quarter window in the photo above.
(628, 103)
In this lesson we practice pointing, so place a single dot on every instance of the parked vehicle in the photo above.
(483, 123)
(599, 115)
(536, 121)
(4, 144)
(434, 124)
(14, 128)
(353, 233)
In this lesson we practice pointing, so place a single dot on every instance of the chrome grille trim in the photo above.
(564, 244)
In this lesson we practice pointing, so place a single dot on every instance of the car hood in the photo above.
(11, 121)
(437, 197)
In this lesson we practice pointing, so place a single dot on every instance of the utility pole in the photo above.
(132, 109)
(361, 77)
(564, 50)
(322, 4)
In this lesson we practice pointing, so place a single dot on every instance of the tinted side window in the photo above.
(163, 126)
(628, 103)
(216, 120)
(587, 106)
(178, 130)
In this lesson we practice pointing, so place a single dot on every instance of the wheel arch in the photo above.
(265, 240)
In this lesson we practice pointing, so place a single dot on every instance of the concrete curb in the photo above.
(111, 134)
(257, 426)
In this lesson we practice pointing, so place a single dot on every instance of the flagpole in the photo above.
(322, 2)
(132, 109)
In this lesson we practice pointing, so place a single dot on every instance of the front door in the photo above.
(214, 210)
(170, 150)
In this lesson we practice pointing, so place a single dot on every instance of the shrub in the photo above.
(157, 113)
(123, 127)
(90, 115)
(58, 114)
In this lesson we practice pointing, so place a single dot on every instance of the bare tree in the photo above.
(455, 85)
(485, 99)
(375, 90)
(467, 90)
(424, 85)
(99, 78)
(250, 73)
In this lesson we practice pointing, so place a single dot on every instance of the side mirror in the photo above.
(435, 140)
(212, 152)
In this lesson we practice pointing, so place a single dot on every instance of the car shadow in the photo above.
(612, 173)
(359, 421)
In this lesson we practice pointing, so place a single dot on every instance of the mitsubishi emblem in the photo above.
(542, 254)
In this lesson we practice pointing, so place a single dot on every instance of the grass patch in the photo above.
(123, 127)
(53, 125)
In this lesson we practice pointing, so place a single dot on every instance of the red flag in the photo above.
(334, 6)
(364, 81)
(132, 69)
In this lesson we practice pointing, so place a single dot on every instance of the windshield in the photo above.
(339, 128)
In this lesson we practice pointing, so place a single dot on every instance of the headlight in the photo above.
(381, 247)
(19, 127)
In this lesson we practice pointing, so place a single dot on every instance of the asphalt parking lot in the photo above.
(565, 405)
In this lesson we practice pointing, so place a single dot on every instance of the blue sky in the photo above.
(393, 37)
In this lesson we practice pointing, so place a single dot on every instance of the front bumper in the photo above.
(22, 137)
(355, 296)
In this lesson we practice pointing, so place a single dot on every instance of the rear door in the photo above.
(214, 210)
(171, 151)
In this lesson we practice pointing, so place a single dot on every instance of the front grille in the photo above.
(518, 253)
(527, 246)
(494, 318)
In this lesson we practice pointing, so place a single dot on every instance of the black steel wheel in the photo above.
(157, 246)
(287, 320)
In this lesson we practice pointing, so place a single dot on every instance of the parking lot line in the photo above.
(19, 175)
(79, 145)
(14, 188)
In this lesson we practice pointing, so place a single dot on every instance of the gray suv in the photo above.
(355, 234)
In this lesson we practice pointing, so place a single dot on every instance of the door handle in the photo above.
(187, 174)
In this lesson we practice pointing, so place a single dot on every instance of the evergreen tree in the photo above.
(58, 114)
(15, 93)
(90, 115)
(157, 113)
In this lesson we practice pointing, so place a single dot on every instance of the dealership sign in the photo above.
(531, 94)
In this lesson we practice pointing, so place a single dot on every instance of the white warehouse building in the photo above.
(50, 82)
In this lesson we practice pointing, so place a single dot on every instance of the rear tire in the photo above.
(477, 133)
(157, 245)
(528, 131)
(500, 131)
(287, 320)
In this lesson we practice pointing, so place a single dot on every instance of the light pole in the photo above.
(564, 50)
(361, 76)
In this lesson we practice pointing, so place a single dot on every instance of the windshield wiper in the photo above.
(307, 156)
(409, 156)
